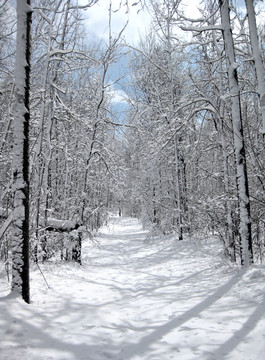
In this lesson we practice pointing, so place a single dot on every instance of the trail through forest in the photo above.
(138, 297)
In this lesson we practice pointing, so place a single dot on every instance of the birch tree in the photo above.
(240, 155)
(260, 73)
(20, 236)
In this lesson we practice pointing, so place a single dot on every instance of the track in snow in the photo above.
(139, 298)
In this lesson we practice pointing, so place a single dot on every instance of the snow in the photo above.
(61, 224)
(139, 298)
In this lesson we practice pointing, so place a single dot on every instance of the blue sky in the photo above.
(97, 21)
(97, 25)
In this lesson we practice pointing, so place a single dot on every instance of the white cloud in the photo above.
(97, 22)
(190, 7)
(117, 95)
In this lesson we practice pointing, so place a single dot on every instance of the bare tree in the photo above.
(239, 146)
(20, 237)
(260, 73)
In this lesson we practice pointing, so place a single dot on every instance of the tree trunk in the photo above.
(20, 240)
(178, 188)
(230, 238)
(239, 146)
(229, 234)
(76, 251)
(260, 73)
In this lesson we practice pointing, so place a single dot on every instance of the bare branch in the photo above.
(201, 28)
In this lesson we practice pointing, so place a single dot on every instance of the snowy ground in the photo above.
(138, 299)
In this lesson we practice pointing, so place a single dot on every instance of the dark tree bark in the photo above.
(20, 239)
(76, 251)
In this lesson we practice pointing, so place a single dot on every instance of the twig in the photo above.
(48, 286)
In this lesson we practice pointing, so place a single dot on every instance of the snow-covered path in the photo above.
(138, 298)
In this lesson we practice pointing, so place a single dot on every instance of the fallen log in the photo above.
(61, 225)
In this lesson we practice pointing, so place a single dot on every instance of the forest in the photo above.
(185, 155)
